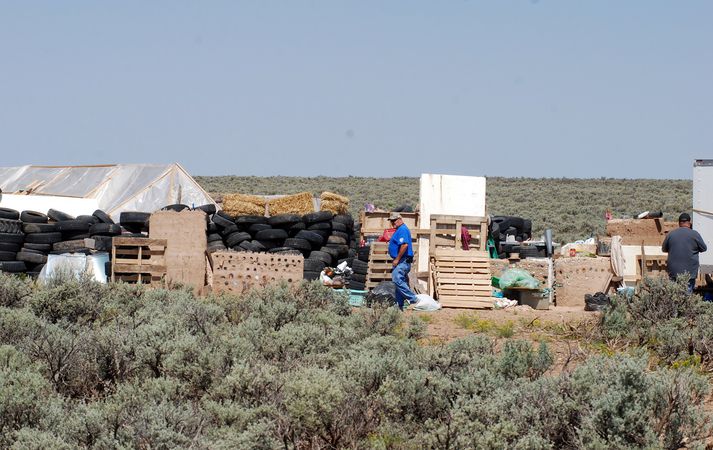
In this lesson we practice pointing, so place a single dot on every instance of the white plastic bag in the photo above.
(425, 302)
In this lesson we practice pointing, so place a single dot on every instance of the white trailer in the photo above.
(703, 209)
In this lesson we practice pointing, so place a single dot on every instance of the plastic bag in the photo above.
(384, 293)
(425, 302)
(596, 302)
(511, 278)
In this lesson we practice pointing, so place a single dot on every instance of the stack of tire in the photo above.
(321, 237)
(520, 229)
(360, 268)
(12, 239)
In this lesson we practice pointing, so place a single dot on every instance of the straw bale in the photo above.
(291, 204)
(335, 197)
(334, 206)
(254, 199)
(238, 208)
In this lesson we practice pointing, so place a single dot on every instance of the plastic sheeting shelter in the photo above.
(111, 188)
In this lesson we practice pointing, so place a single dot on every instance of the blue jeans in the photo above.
(399, 275)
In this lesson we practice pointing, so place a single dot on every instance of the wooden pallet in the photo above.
(380, 264)
(462, 278)
(138, 260)
(445, 232)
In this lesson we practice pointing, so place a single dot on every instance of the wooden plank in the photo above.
(462, 281)
(119, 268)
(443, 252)
(118, 241)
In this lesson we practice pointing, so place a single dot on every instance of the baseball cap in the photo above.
(684, 217)
(394, 216)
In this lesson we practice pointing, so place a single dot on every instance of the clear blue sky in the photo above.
(378, 88)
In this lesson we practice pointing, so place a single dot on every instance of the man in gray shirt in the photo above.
(683, 245)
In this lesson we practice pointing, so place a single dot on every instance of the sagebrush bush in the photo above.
(663, 317)
(84, 365)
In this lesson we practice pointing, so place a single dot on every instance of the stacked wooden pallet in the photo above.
(380, 264)
(138, 260)
(462, 278)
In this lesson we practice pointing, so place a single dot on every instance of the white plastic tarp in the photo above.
(42, 203)
(114, 188)
(75, 265)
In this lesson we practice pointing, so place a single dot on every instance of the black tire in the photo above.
(299, 244)
(272, 234)
(529, 252)
(346, 219)
(268, 244)
(246, 221)
(230, 229)
(363, 253)
(316, 217)
(284, 220)
(284, 251)
(59, 215)
(12, 238)
(214, 237)
(221, 220)
(39, 227)
(216, 246)
(320, 226)
(10, 247)
(209, 208)
(236, 238)
(7, 213)
(349, 261)
(13, 266)
(33, 217)
(35, 258)
(341, 248)
(311, 276)
(44, 238)
(10, 226)
(322, 256)
(257, 227)
(212, 227)
(338, 226)
(527, 227)
(104, 229)
(102, 217)
(251, 246)
(178, 207)
(314, 265)
(32, 250)
(75, 235)
(359, 277)
(336, 240)
(342, 235)
(357, 286)
(135, 222)
(7, 256)
(73, 225)
(495, 231)
(296, 228)
(315, 239)
(37, 247)
(87, 218)
(331, 251)
(102, 243)
(360, 267)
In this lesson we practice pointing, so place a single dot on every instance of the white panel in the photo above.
(703, 209)
(448, 194)
(630, 253)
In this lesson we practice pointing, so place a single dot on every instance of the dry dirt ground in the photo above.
(563, 329)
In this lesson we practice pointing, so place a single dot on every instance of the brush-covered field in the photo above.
(94, 366)
(573, 208)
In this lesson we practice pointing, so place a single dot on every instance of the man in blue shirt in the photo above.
(401, 250)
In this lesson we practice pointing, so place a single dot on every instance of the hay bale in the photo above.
(291, 204)
(254, 199)
(334, 206)
(238, 208)
(334, 197)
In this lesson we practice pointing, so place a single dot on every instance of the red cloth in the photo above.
(386, 237)
(465, 237)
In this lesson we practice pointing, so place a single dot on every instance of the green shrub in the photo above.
(119, 366)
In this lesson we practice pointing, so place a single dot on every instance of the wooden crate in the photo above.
(380, 264)
(445, 232)
(374, 223)
(238, 272)
(138, 260)
(462, 278)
